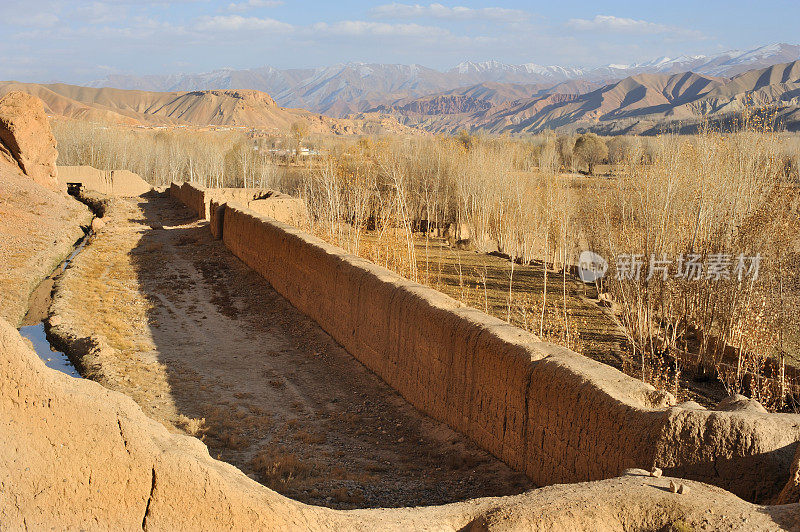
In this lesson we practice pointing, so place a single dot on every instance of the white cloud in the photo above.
(253, 4)
(239, 23)
(38, 20)
(360, 27)
(101, 12)
(612, 24)
(153, 2)
(440, 11)
(138, 30)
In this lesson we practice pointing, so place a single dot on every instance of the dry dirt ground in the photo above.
(205, 345)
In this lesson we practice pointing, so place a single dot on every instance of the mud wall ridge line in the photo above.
(543, 409)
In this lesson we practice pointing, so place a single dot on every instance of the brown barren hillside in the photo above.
(638, 104)
(237, 108)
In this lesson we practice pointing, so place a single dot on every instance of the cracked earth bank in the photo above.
(158, 310)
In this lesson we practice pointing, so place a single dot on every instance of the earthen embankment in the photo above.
(545, 410)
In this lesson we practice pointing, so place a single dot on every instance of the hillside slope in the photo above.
(638, 104)
(245, 108)
(40, 224)
(643, 103)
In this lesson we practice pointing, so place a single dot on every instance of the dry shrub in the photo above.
(192, 426)
(235, 429)
(343, 495)
(709, 194)
(556, 327)
(188, 240)
(461, 460)
(308, 438)
(210, 158)
(276, 467)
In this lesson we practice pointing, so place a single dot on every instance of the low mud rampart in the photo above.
(267, 202)
(113, 183)
(191, 195)
(76, 456)
(545, 410)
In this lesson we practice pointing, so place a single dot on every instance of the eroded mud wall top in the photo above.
(281, 207)
(26, 138)
(76, 456)
(550, 412)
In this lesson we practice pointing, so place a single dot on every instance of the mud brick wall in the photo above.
(286, 209)
(267, 202)
(198, 198)
(216, 213)
(545, 410)
(242, 196)
(193, 196)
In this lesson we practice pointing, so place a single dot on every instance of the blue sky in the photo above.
(81, 40)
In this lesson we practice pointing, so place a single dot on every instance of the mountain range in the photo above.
(343, 89)
(234, 107)
(641, 104)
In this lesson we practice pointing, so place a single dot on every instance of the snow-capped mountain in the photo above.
(493, 68)
(724, 64)
(353, 87)
(642, 103)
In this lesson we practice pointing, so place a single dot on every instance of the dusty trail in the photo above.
(205, 344)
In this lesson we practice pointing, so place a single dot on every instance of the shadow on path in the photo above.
(270, 392)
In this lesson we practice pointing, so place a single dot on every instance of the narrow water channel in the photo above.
(53, 359)
(33, 324)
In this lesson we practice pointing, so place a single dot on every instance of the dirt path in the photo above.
(205, 344)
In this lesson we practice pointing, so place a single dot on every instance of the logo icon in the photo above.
(591, 266)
